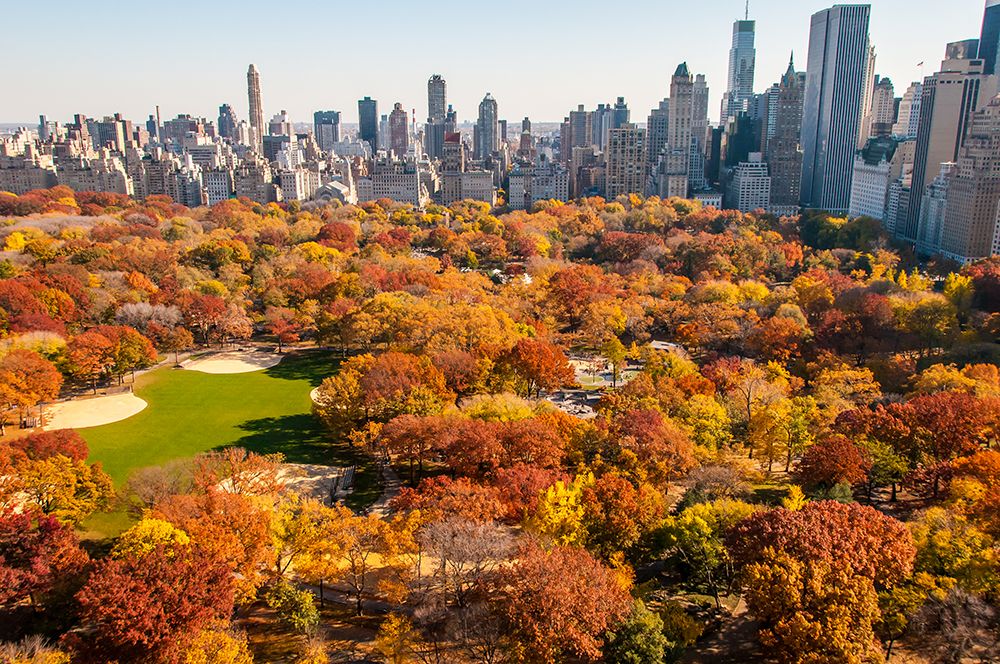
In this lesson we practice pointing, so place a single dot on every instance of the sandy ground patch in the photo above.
(82, 413)
(314, 480)
(233, 362)
(314, 394)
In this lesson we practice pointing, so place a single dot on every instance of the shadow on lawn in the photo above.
(312, 366)
(302, 439)
(299, 437)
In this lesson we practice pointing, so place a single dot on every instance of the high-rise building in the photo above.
(437, 98)
(883, 114)
(657, 129)
(750, 187)
(227, 122)
(626, 163)
(932, 211)
(784, 151)
(948, 100)
(839, 82)
(581, 128)
(970, 219)
(326, 128)
(699, 133)
(368, 122)
(908, 117)
(280, 125)
(487, 131)
(872, 176)
(256, 110)
(399, 130)
(619, 114)
(742, 56)
(989, 38)
(673, 169)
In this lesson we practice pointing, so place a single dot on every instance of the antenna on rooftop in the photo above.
(748, 10)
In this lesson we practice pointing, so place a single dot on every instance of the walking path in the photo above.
(390, 489)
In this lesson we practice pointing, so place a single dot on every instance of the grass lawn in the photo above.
(191, 412)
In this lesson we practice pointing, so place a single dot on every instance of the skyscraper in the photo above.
(742, 56)
(227, 122)
(581, 128)
(883, 114)
(948, 100)
(784, 152)
(837, 99)
(699, 133)
(437, 98)
(620, 113)
(970, 218)
(626, 163)
(256, 110)
(908, 117)
(326, 127)
(399, 130)
(989, 38)
(368, 122)
(656, 128)
(487, 130)
(679, 131)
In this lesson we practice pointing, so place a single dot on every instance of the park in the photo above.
(218, 402)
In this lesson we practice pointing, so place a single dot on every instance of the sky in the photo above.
(538, 58)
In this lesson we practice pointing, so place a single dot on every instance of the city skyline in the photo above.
(294, 78)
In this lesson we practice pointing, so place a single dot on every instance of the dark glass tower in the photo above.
(989, 38)
(368, 122)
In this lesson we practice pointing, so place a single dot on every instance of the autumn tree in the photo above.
(89, 356)
(39, 558)
(537, 365)
(139, 607)
(26, 379)
(832, 461)
(177, 340)
(559, 603)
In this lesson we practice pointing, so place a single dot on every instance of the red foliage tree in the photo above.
(139, 608)
(559, 604)
(539, 365)
(39, 557)
(874, 545)
(834, 460)
(45, 444)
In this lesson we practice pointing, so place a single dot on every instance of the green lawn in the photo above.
(191, 412)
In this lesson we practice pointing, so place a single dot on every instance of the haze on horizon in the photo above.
(538, 60)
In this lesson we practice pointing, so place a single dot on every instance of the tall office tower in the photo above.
(626, 163)
(620, 113)
(742, 55)
(227, 122)
(699, 133)
(600, 125)
(326, 128)
(989, 38)
(368, 122)
(970, 219)
(766, 104)
(256, 110)
(399, 130)
(487, 131)
(784, 152)
(452, 167)
(837, 100)
(679, 132)
(883, 108)
(948, 100)
(437, 98)
(451, 120)
(581, 128)
(908, 117)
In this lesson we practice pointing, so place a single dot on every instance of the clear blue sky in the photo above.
(538, 58)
